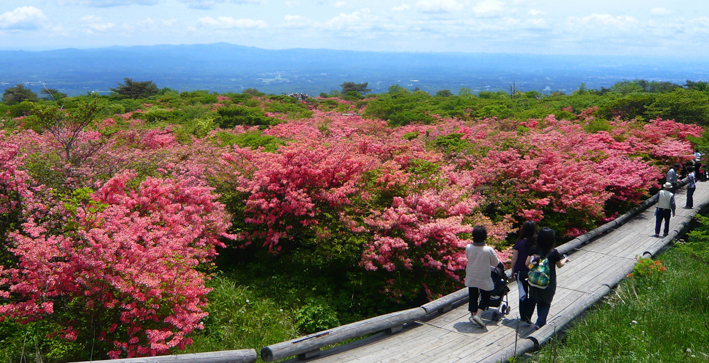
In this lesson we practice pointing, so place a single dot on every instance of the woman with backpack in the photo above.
(544, 259)
(526, 240)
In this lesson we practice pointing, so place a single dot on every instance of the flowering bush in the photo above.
(646, 268)
(126, 255)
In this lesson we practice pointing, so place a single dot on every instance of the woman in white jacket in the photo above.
(481, 259)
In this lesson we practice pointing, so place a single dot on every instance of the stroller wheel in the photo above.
(504, 309)
(507, 310)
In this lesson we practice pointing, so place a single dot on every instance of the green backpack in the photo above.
(540, 274)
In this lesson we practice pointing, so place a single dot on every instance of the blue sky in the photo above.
(599, 27)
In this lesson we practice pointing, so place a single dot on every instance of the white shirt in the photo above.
(480, 261)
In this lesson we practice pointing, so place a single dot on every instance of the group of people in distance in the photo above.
(666, 197)
(535, 245)
(532, 245)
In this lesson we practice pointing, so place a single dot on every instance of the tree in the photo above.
(18, 94)
(396, 89)
(464, 91)
(68, 129)
(699, 86)
(444, 93)
(253, 92)
(133, 89)
(53, 94)
(360, 88)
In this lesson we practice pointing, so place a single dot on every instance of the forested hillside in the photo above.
(152, 220)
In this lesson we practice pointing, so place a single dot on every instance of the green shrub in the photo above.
(252, 139)
(231, 116)
(316, 315)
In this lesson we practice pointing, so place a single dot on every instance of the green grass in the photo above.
(661, 317)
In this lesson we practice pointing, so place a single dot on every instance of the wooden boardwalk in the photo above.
(450, 337)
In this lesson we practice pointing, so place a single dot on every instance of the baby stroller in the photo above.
(498, 297)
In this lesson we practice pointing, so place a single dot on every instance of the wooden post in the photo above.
(312, 342)
(226, 356)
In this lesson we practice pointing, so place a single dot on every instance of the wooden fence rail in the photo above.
(226, 356)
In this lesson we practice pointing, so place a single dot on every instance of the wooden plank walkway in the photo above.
(450, 337)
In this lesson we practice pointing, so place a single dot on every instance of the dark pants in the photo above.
(473, 304)
(674, 188)
(526, 306)
(662, 214)
(690, 197)
(542, 313)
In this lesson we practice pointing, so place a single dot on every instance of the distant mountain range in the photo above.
(223, 67)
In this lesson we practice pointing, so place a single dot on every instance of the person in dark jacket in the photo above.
(545, 249)
(691, 187)
(526, 240)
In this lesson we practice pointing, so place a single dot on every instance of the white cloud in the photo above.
(344, 21)
(660, 11)
(340, 4)
(292, 3)
(606, 20)
(101, 27)
(107, 3)
(438, 6)
(227, 22)
(208, 4)
(401, 7)
(27, 17)
(536, 23)
(96, 24)
(535, 12)
(296, 22)
(148, 22)
(489, 9)
(90, 19)
(170, 22)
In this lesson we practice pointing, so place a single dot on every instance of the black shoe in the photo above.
(527, 320)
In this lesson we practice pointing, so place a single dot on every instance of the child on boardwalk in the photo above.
(545, 249)
(665, 206)
(481, 259)
(526, 240)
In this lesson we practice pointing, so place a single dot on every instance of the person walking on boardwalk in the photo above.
(526, 240)
(665, 206)
(545, 250)
(691, 187)
(481, 259)
(672, 176)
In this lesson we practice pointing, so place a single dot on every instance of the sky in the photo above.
(598, 27)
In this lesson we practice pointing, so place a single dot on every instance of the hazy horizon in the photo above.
(552, 27)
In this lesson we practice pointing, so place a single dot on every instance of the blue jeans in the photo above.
(662, 215)
(542, 313)
(526, 306)
(690, 197)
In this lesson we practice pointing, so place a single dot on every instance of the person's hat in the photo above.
(668, 185)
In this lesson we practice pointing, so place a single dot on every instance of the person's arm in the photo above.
(530, 257)
(562, 261)
(494, 261)
(515, 256)
(672, 204)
